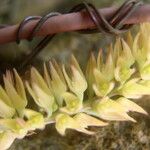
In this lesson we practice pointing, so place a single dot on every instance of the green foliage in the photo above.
(74, 100)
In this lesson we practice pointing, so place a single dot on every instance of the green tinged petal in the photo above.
(117, 50)
(100, 60)
(130, 106)
(124, 61)
(35, 120)
(108, 68)
(138, 52)
(14, 125)
(6, 139)
(18, 102)
(44, 100)
(74, 63)
(59, 70)
(108, 109)
(6, 99)
(86, 120)
(64, 122)
(77, 84)
(41, 93)
(38, 79)
(129, 39)
(102, 87)
(58, 85)
(73, 103)
(122, 74)
(47, 76)
(133, 89)
(19, 86)
(145, 71)
(6, 111)
(91, 65)
(127, 54)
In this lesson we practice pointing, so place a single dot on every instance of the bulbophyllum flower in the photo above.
(104, 74)
(73, 103)
(141, 51)
(18, 128)
(14, 95)
(91, 65)
(124, 61)
(109, 109)
(77, 82)
(129, 105)
(41, 93)
(57, 82)
(133, 89)
(102, 86)
(79, 122)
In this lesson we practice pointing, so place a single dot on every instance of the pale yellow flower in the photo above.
(79, 122)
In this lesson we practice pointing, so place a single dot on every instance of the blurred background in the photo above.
(117, 136)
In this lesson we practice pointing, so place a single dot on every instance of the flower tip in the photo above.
(131, 119)
(144, 112)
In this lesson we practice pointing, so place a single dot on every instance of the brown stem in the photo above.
(71, 22)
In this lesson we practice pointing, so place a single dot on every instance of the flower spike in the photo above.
(76, 99)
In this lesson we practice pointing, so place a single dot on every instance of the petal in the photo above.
(31, 92)
(117, 50)
(132, 89)
(59, 70)
(127, 55)
(102, 87)
(77, 84)
(73, 103)
(129, 39)
(86, 120)
(122, 73)
(145, 71)
(18, 102)
(130, 106)
(44, 100)
(58, 86)
(47, 76)
(64, 122)
(6, 139)
(68, 80)
(100, 60)
(14, 125)
(91, 65)
(6, 99)
(110, 110)
(108, 68)
(138, 53)
(75, 63)
(19, 86)
(6, 111)
(38, 79)
(35, 120)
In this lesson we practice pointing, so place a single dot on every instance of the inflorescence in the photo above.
(75, 100)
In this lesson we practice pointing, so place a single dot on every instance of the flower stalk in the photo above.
(76, 100)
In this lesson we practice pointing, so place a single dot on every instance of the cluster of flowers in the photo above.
(72, 99)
